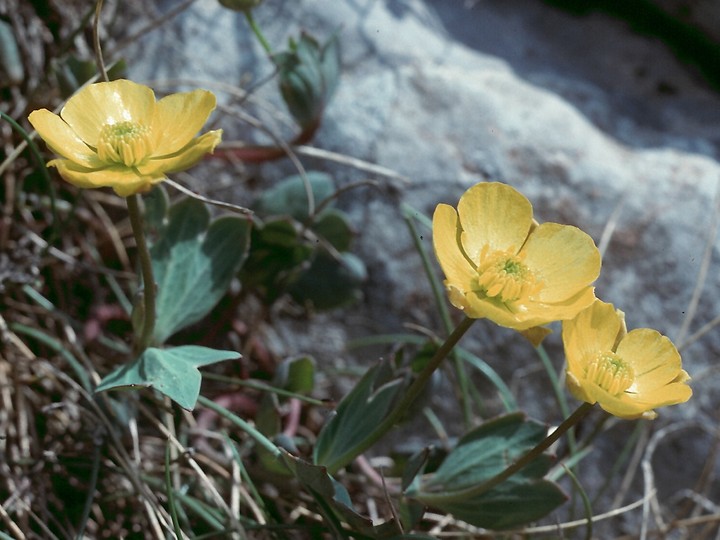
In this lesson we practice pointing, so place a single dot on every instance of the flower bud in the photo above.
(240, 5)
(308, 76)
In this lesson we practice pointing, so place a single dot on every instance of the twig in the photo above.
(214, 202)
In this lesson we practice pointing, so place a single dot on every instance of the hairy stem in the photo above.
(148, 323)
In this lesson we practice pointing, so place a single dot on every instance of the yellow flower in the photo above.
(116, 134)
(628, 373)
(501, 265)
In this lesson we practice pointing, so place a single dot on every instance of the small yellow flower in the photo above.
(628, 373)
(501, 265)
(116, 134)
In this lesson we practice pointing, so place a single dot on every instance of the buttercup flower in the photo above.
(501, 265)
(628, 374)
(116, 134)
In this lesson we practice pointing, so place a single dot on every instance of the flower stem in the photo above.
(441, 302)
(521, 463)
(407, 400)
(258, 33)
(148, 324)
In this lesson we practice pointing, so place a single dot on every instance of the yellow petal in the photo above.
(543, 313)
(493, 214)
(482, 307)
(669, 394)
(631, 406)
(499, 313)
(178, 118)
(123, 180)
(564, 258)
(593, 331)
(577, 388)
(185, 158)
(458, 270)
(62, 139)
(567, 309)
(622, 408)
(108, 103)
(653, 357)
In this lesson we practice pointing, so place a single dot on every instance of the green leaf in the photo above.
(194, 264)
(289, 197)
(358, 414)
(330, 282)
(277, 255)
(479, 456)
(488, 450)
(509, 505)
(333, 226)
(173, 372)
(11, 65)
(414, 467)
(329, 492)
(156, 204)
(296, 375)
(278, 233)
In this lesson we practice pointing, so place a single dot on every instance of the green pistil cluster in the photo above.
(611, 373)
(505, 277)
(125, 143)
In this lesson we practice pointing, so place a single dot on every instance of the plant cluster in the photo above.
(242, 455)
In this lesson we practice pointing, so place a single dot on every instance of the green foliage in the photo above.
(335, 500)
(308, 76)
(277, 253)
(290, 197)
(194, 261)
(157, 203)
(240, 5)
(11, 67)
(330, 282)
(173, 372)
(295, 375)
(358, 414)
(333, 226)
(480, 455)
(304, 254)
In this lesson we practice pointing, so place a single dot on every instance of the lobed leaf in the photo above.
(194, 264)
(173, 372)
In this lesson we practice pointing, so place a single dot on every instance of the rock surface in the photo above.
(599, 127)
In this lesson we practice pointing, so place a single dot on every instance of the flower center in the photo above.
(127, 143)
(504, 276)
(611, 373)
